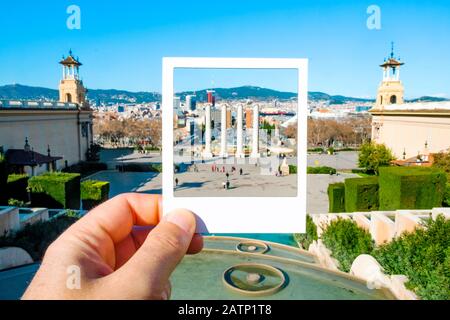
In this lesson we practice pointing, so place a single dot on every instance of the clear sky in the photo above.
(121, 43)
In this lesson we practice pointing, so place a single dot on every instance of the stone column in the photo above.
(255, 132)
(223, 132)
(207, 151)
(239, 137)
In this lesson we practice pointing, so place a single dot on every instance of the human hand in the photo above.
(118, 256)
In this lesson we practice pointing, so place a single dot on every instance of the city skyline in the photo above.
(122, 48)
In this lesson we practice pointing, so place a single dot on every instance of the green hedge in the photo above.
(17, 187)
(139, 167)
(411, 188)
(305, 239)
(3, 179)
(361, 194)
(56, 190)
(446, 201)
(86, 168)
(346, 241)
(423, 256)
(292, 169)
(336, 197)
(321, 170)
(94, 192)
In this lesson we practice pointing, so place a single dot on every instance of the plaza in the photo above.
(255, 181)
(235, 156)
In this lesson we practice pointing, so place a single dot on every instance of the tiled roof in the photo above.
(21, 157)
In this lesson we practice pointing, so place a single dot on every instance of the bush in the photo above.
(361, 194)
(55, 190)
(17, 187)
(423, 256)
(140, 167)
(411, 188)
(3, 178)
(373, 156)
(336, 197)
(305, 239)
(292, 169)
(86, 168)
(321, 170)
(93, 193)
(442, 161)
(346, 241)
(35, 238)
(16, 203)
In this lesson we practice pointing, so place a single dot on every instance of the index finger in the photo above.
(118, 215)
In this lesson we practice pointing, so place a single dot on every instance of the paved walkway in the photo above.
(254, 182)
(251, 184)
(317, 196)
(340, 161)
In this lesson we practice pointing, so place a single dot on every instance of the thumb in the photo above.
(146, 274)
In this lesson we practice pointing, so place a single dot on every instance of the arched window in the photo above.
(394, 99)
(381, 99)
(68, 97)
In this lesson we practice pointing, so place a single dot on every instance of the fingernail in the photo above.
(182, 218)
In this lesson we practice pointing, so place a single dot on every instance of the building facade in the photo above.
(62, 129)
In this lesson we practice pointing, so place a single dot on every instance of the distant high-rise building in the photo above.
(191, 102)
(176, 103)
(248, 118)
(211, 97)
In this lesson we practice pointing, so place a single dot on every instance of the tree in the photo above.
(372, 156)
(442, 161)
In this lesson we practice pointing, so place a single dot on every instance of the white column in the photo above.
(223, 132)
(239, 137)
(207, 151)
(255, 132)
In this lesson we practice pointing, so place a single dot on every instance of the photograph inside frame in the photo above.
(235, 133)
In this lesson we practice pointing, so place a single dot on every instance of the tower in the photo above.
(71, 88)
(391, 89)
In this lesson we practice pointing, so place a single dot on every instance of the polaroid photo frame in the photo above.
(237, 214)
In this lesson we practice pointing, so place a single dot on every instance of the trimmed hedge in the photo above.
(361, 194)
(139, 167)
(3, 179)
(94, 192)
(86, 168)
(346, 241)
(446, 201)
(321, 170)
(56, 190)
(411, 188)
(17, 187)
(292, 169)
(336, 197)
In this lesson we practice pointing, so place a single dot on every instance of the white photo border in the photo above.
(226, 214)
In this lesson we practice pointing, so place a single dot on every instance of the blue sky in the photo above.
(121, 43)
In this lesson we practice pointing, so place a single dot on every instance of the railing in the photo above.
(29, 104)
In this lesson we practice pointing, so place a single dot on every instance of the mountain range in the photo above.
(110, 96)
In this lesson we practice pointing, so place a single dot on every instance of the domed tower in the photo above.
(391, 89)
(71, 87)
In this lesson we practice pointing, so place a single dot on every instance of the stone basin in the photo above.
(222, 271)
